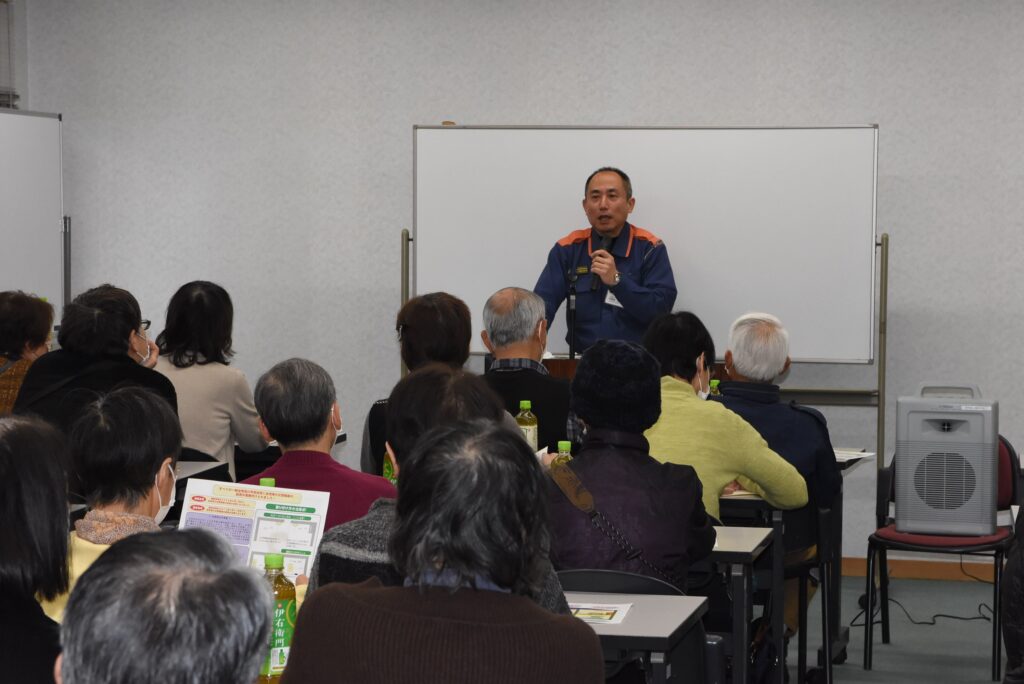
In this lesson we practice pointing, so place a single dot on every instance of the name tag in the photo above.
(612, 300)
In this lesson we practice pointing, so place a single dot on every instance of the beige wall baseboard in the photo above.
(922, 569)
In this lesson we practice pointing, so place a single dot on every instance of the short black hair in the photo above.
(99, 322)
(294, 400)
(434, 327)
(25, 320)
(175, 606)
(471, 502)
(677, 340)
(433, 395)
(628, 184)
(118, 443)
(199, 320)
(617, 386)
(33, 508)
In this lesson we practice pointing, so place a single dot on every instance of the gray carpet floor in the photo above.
(949, 651)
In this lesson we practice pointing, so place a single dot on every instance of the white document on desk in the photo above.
(259, 520)
(843, 455)
(600, 613)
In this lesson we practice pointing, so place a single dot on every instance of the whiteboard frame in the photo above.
(873, 312)
(58, 298)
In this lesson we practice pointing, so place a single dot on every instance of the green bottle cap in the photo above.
(268, 482)
(273, 561)
(714, 383)
(564, 445)
(525, 405)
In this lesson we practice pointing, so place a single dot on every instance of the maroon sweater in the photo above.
(351, 492)
(370, 633)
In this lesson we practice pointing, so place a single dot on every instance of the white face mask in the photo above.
(143, 359)
(164, 510)
(703, 394)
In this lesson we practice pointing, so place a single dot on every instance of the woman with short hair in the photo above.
(215, 402)
(25, 323)
(123, 448)
(470, 538)
(432, 328)
(33, 545)
(104, 345)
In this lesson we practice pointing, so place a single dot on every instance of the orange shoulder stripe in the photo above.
(647, 235)
(574, 237)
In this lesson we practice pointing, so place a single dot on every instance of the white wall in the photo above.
(267, 145)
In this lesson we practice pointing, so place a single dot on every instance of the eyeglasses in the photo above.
(144, 325)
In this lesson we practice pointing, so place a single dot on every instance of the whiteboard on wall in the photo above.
(755, 219)
(31, 206)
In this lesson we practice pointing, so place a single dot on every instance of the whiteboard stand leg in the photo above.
(65, 235)
(883, 315)
(406, 241)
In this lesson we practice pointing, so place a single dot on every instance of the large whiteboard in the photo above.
(31, 206)
(755, 219)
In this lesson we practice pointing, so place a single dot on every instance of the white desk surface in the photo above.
(186, 469)
(657, 617)
(740, 540)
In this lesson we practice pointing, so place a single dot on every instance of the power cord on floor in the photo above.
(982, 607)
(973, 577)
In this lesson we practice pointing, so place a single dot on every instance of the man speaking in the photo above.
(621, 273)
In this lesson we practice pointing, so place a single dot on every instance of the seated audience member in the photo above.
(214, 400)
(516, 333)
(33, 546)
(123, 450)
(298, 407)
(758, 353)
(721, 446)
(432, 328)
(654, 508)
(25, 323)
(1012, 607)
(470, 538)
(166, 607)
(103, 345)
(432, 396)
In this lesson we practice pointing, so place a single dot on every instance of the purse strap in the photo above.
(580, 497)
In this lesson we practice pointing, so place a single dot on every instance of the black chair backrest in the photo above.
(615, 582)
(1009, 481)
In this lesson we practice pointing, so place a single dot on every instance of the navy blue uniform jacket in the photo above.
(646, 290)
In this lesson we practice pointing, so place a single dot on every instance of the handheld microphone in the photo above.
(606, 242)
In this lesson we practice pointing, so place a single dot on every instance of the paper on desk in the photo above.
(852, 454)
(600, 613)
(259, 520)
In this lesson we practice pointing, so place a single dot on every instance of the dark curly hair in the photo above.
(25, 320)
(471, 502)
(99, 322)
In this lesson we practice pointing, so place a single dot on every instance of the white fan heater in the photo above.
(947, 461)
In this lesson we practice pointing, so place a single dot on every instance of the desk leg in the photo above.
(742, 588)
(660, 668)
(840, 633)
(778, 593)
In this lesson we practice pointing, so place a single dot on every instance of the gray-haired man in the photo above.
(166, 607)
(516, 333)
